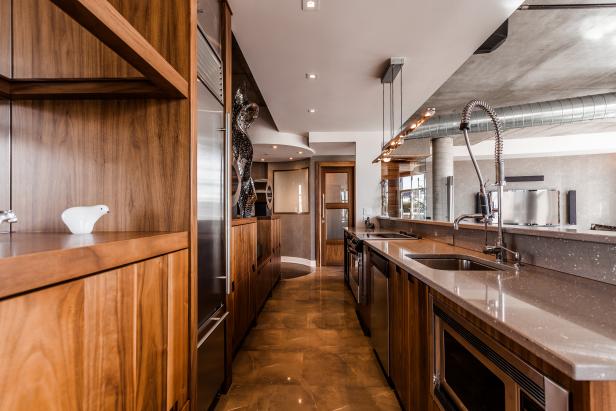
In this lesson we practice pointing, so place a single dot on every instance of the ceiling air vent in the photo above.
(495, 40)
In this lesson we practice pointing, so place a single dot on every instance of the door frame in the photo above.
(318, 197)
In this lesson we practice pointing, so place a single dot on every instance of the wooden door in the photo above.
(336, 198)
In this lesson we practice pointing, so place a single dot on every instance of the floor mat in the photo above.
(290, 270)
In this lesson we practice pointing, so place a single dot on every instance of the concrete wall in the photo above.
(592, 176)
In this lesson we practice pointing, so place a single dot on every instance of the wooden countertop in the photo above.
(242, 221)
(33, 260)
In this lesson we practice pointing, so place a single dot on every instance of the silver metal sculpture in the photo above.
(244, 114)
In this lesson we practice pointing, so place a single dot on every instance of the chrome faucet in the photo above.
(8, 216)
(456, 222)
(487, 211)
(456, 225)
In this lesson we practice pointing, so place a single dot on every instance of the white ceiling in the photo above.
(334, 149)
(267, 153)
(347, 42)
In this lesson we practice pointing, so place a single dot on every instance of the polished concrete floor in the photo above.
(308, 352)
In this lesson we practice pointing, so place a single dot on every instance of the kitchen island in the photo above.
(557, 325)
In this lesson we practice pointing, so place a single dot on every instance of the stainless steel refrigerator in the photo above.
(213, 225)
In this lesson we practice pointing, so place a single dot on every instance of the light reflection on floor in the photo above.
(308, 352)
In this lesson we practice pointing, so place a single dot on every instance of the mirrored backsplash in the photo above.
(575, 192)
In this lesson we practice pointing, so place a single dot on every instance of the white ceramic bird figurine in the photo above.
(81, 220)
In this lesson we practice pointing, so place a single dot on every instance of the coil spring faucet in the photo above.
(487, 211)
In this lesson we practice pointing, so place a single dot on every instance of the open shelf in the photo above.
(103, 21)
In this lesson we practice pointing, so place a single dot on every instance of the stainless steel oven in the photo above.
(379, 309)
(355, 267)
(355, 273)
(471, 372)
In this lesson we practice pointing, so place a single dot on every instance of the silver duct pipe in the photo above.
(545, 113)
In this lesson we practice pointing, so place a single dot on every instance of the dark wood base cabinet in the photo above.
(409, 371)
(116, 340)
(412, 306)
(255, 270)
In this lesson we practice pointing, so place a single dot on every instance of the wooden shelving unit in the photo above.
(97, 106)
(103, 21)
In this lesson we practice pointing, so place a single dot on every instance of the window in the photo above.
(413, 196)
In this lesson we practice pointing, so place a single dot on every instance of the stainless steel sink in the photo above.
(392, 235)
(453, 264)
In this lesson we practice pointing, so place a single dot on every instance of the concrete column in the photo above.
(442, 167)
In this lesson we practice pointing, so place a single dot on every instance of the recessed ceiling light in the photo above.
(311, 76)
(274, 147)
(312, 110)
(300, 152)
(290, 158)
(262, 159)
(310, 5)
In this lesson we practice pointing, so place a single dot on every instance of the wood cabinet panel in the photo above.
(277, 252)
(251, 264)
(100, 342)
(108, 339)
(243, 262)
(42, 350)
(5, 150)
(400, 346)
(131, 155)
(409, 339)
(50, 44)
(150, 336)
(178, 329)
(264, 240)
(5, 38)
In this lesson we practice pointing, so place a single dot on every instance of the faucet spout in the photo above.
(456, 222)
(486, 207)
(8, 216)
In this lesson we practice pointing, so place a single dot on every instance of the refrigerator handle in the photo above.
(227, 202)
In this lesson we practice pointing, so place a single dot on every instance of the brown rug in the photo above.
(290, 270)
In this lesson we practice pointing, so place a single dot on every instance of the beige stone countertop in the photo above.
(568, 321)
